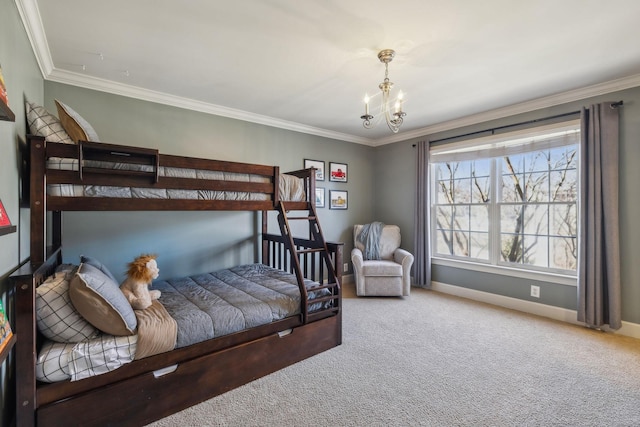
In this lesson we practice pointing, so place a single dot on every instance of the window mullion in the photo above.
(494, 214)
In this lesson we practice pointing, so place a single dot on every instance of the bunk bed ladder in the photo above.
(317, 244)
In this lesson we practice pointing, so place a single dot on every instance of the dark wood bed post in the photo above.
(56, 229)
(25, 280)
(265, 216)
(265, 243)
(38, 204)
(25, 329)
(38, 201)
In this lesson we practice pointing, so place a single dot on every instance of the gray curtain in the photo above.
(421, 238)
(599, 296)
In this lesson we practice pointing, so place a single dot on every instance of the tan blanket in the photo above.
(157, 331)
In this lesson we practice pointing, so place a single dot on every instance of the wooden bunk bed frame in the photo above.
(157, 386)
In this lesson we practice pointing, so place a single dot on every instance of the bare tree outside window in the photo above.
(462, 214)
(535, 209)
(538, 215)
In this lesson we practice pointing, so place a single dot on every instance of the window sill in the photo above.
(560, 279)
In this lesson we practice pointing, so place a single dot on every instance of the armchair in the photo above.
(388, 276)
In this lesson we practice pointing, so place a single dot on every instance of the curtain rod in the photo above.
(492, 130)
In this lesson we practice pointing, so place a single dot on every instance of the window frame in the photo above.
(467, 150)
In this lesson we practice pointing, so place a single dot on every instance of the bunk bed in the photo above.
(90, 176)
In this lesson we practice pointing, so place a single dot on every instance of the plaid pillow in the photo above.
(56, 316)
(43, 123)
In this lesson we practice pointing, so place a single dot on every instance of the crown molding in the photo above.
(103, 85)
(523, 107)
(30, 15)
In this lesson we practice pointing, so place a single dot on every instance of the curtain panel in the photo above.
(599, 289)
(421, 237)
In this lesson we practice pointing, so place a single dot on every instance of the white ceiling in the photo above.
(306, 65)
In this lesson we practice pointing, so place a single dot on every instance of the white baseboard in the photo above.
(557, 313)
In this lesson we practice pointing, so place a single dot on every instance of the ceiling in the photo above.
(306, 65)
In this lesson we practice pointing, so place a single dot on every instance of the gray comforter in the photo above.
(214, 304)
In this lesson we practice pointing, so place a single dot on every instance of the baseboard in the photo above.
(347, 278)
(557, 313)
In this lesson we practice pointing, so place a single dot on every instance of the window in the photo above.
(508, 200)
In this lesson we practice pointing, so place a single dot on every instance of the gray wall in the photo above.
(395, 185)
(23, 80)
(192, 242)
(395, 166)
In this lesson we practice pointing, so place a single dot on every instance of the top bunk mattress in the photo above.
(291, 188)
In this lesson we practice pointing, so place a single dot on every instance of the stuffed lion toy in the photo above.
(135, 288)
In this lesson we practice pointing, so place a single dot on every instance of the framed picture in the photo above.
(338, 199)
(5, 223)
(319, 197)
(4, 218)
(318, 164)
(338, 172)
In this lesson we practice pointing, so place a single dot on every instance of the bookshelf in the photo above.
(5, 113)
(8, 229)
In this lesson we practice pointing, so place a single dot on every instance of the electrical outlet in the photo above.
(535, 291)
(345, 267)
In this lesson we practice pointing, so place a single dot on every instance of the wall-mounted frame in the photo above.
(338, 172)
(5, 223)
(318, 164)
(319, 197)
(338, 199)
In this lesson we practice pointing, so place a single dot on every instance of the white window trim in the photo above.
(538, 276)
(497, 142)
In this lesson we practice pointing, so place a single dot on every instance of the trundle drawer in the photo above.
(154, 395)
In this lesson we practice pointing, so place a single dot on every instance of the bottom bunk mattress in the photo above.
(202, 307)
(210, 305)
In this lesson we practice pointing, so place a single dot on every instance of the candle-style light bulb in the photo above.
(400, 100)
(366, 105)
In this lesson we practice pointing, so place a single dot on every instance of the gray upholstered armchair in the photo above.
(387, 276)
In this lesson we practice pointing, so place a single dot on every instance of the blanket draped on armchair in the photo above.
(370, 237)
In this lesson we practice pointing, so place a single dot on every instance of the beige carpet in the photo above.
(436, 360)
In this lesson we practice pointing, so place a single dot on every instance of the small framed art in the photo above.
(318, 164)
(338, 172)
(5, 223)
(338, 199)
(319, 197)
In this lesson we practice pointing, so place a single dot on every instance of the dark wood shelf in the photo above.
(7, 229)
(6, 113)
(7, 348)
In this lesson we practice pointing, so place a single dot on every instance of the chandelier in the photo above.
(393, 114)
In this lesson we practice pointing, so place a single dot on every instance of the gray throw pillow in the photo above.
(99, 265)
(101, 302)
